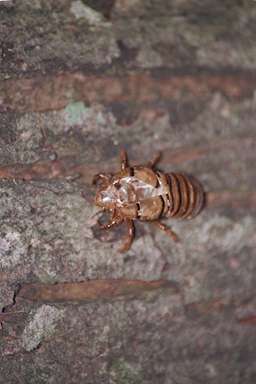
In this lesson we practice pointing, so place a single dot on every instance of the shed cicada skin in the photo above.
(146, 194)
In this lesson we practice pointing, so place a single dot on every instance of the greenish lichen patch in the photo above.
(89, 119)
(76, 113)
(123, 372)
(80, 10)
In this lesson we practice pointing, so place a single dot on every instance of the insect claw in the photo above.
(114, 221)
(123, 159)
(100, 177)
(167, 230)
(173, 235)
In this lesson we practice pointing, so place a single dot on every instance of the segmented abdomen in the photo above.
(186, 196)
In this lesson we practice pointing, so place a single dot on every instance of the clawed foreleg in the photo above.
(101, 177)
(115, 220)
(124, 160)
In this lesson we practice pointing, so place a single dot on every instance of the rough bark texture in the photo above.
(79, 80)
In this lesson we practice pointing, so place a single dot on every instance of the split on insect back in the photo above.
(146, 194)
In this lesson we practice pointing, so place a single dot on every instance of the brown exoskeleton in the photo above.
(142, 193)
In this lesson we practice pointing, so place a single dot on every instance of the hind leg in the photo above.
(152, 163)
(167, 230)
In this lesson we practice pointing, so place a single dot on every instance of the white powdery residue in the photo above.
(12, 248)
(80, 10)
(41, 326)
(221, 232)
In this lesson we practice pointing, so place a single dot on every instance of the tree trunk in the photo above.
(79, 80)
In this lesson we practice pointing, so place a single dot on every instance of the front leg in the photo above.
(130, 236)
(124, 159)
(102, 177)
(115, 220)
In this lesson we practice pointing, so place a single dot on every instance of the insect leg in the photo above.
(130, 236)
(109, 225)
(123, 159)
(155, 160)
(166, 229)
(115, 220)
(100, 177)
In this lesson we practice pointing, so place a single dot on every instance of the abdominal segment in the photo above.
(171, 195)
(186, 196)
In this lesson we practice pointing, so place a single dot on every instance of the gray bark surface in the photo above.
(203, 331)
